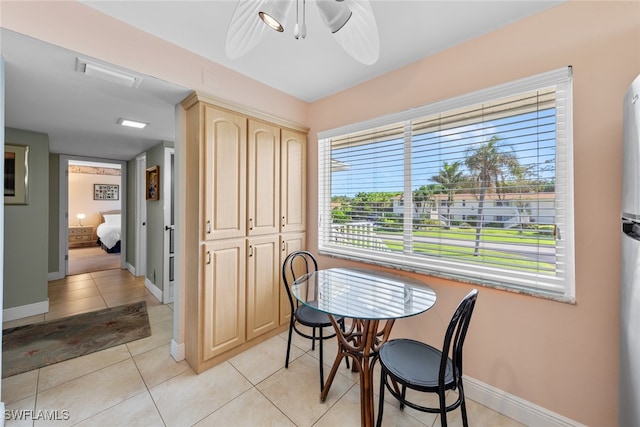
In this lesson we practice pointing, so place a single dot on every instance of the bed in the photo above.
(109, 231)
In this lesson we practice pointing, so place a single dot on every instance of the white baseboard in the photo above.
(22, 311)
(55, 275)
(513, 406)
(153, 289)
(177, 351)
(131, 269)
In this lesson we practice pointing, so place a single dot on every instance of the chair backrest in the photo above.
(296, 264)
(455, 335)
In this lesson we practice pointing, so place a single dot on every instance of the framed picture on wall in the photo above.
(106, 192)
(16, 174)
(153, 183)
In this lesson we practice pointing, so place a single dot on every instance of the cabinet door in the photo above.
(263, 173)
(289, 243)
(223, 298)
(263, 296)
(293, 181)
(224, 164)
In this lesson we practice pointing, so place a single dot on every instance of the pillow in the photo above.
(112, 219)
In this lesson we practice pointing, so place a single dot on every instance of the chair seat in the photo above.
(414, 363)
(310, 317)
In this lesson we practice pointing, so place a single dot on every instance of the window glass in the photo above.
(477, 188)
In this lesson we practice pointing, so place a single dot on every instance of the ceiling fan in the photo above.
(351, 22)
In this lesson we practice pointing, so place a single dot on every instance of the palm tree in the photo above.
(450, 178)
(423, 199)
(489, 166)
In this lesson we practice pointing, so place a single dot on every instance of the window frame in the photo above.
(562, 288)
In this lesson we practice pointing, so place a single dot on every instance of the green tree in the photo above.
(367, 205)
(450, 177)
(423, 199)
(489, 166)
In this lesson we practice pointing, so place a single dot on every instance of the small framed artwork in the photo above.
(106, 192)
(153, 183)
(16, 174)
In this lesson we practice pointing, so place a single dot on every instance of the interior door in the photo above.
(169, 228)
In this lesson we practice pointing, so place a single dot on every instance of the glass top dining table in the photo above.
(367, 297)
(363, 293)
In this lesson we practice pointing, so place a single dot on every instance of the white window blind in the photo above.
(477, 188)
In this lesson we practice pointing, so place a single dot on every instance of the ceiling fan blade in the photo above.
(359, 37)
(245, 29)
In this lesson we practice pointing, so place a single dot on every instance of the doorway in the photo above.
(92, 192)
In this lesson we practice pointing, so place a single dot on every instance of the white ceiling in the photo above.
(45, 94)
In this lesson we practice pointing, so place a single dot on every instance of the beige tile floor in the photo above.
(139, 383)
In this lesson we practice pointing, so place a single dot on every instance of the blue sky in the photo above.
(378, 166)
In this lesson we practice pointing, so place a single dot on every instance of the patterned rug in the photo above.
(29, 347)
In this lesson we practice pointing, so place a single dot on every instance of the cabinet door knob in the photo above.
(208, 257)
(208, 227)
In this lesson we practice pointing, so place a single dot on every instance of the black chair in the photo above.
(421, 367)
(295, 265)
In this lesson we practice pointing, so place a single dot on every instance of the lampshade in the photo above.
(274, 14)
(334, 14)
(80, 217)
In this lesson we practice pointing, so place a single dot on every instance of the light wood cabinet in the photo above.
(245, 197)
(263, 173)
(223, 296)
(263, 285)
(290, 242)
(224, 157)
(293, 181)
(81, 236)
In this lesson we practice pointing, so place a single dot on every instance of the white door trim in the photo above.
(169, 222)
(141, 216)
(63, 214)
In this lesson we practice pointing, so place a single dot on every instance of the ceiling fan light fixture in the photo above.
(335, 14)
(274, 14)
(271, 21)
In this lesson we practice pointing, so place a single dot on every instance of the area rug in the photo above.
(29, 347)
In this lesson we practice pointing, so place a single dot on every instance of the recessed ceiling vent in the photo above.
(108, 74)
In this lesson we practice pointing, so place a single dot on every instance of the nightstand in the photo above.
(81, 236)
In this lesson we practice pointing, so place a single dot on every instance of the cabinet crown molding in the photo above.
(196, 97)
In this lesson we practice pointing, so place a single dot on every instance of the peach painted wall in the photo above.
(81, 197)
(560, 356)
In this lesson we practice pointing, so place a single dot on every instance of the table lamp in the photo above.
(80, 217)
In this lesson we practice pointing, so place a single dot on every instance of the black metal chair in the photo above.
(295, 265)
(421, 367)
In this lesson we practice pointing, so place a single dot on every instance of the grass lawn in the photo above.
(498, 258)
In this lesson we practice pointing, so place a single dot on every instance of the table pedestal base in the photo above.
(360, 343)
